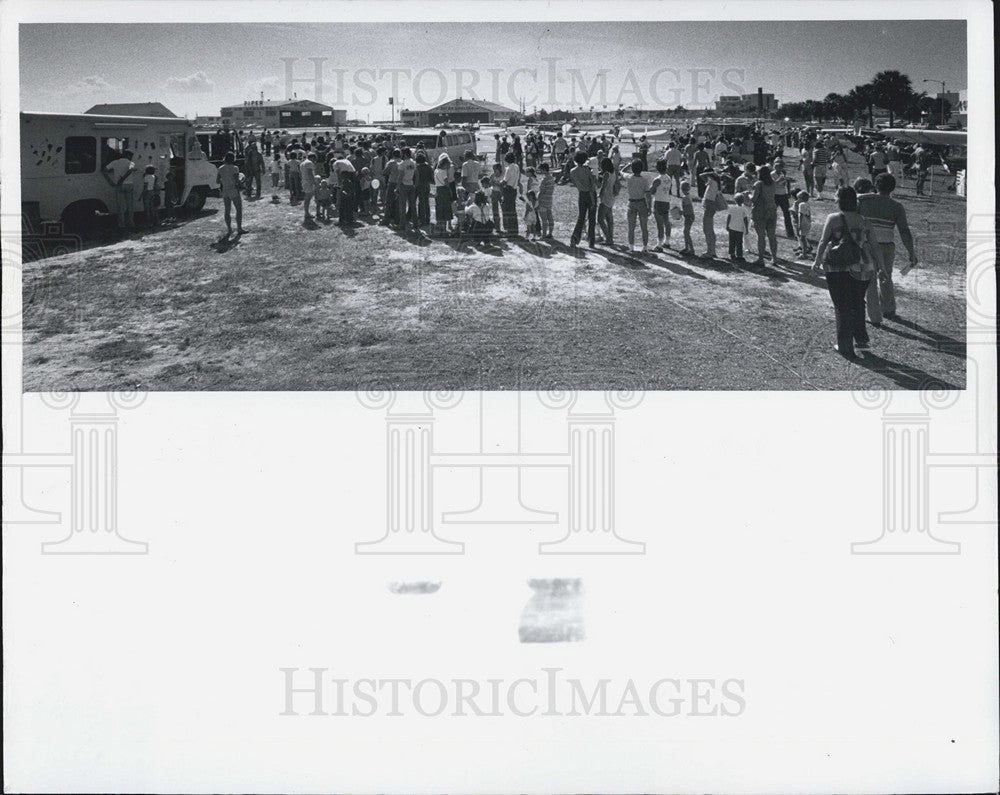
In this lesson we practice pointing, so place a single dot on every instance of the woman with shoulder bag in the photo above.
(847, 258)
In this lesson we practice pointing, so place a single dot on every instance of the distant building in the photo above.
(958, 102)
(283, 113)
(746, 104)
(208, 121)
(132, 109)
(459, 111)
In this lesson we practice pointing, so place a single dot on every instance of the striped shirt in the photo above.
(885, 215)
(546, 188)
(821, 157)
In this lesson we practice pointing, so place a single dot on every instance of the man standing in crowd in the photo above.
(119, 173)
(673, 158)
(559, 147)
(254, 170)
(586, 183)
(228, 179)
(308, 172)
(407, 212)
(886, 215)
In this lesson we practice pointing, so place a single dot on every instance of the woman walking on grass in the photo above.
(846, 256)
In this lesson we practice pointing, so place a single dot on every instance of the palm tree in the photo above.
(862, 98)
(892, 91)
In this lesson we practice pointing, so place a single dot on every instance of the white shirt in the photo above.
(737, 219)
(308, 169)
(512, 176)
(119, 168)
(478, 213)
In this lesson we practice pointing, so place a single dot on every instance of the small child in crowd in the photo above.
(803, 220)
(275, 167)
(531, 215)
(324, 200)
(738, 225)
(458, 208)
(546, 190)
(687, 211)
(365, 185)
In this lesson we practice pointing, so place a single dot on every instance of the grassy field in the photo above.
(290, 307)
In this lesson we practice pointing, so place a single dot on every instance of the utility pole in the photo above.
(942, 97)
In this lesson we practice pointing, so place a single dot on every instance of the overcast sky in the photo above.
(195, 69)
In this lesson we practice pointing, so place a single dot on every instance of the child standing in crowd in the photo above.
(738, 225)
(531, 215)
(546, 190)
(803, 218)
(782, 189)
(639, 193)
(496, 192)
(609, 186)
(274, 168)
(293, 179)
(532, 180)
(324, 200)
(661, 206)
(150, 198)
(365, 186)
(458, 208)
(687, 211)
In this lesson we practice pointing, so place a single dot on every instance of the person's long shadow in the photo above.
(537, 248)
(942, 342)
(768, 271)
(468, 245)
(225, 243)
(572, 251)
(673, 265)
(904, 375)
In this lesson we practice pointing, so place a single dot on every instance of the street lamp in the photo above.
(942, 97)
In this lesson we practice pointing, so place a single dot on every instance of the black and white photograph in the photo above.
(406, 397)
(758, 210)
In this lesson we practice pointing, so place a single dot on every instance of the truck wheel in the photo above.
(195, 200)
(85, 218)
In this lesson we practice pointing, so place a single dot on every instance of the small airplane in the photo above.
(933, 137)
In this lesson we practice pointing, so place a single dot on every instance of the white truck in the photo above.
(63, 156)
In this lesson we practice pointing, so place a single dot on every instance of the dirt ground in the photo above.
(296, 307)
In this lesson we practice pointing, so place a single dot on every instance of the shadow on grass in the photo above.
(52, 239)
(226, 243)
(941, 342)
(903, 375)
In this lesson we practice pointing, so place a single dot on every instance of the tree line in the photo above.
(889, 91)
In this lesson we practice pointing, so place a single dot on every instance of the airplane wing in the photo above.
(935, 137)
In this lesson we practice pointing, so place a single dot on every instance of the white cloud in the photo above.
(198, 83)
(272, 86)
(92, 84)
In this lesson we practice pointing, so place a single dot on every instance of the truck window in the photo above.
(111, 149)
(81, 154)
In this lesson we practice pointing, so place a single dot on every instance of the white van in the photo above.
(455, 142)
(63, 156)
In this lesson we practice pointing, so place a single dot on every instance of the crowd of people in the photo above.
(372, 177)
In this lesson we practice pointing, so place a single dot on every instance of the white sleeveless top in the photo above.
(662, 193)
